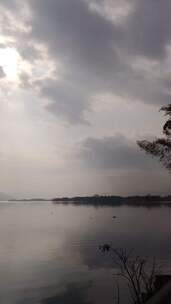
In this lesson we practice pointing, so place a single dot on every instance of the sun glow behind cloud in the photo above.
(10, 63)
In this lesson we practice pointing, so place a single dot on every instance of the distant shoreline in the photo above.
(104, 200)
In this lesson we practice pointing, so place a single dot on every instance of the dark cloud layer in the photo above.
(115, 152)
(84, 42)
(68, 102)
(97, 53)
(149, 28)
(75, 34)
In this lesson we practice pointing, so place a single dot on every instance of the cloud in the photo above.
(98, 55)
(102, 46)
(67, 101)
(75, 33)
(148, 28)
(114, 153)
(2, 73)
(84, 44)
(9, 4)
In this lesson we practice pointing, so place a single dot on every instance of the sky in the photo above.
(81, 82)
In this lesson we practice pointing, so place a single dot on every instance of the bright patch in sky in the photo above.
(9, 61)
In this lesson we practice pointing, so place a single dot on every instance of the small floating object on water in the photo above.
(114, 217)
(105, 247)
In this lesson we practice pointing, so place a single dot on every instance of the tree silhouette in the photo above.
(139, 273)
(160, 147)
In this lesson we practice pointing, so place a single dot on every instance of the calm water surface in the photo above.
(49, 253)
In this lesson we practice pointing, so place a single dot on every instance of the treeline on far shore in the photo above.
(111, 200)
(106, 200)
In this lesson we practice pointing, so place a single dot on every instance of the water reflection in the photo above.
(74, 294)
(49, 253)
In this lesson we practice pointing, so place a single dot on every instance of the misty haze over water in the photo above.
(49, 252)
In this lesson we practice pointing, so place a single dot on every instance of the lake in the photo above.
(49, 253)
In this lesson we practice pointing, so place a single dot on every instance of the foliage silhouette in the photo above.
(139, 273)
(161, 147)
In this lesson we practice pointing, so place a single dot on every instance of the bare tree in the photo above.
(161, 147)
(138, 272)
